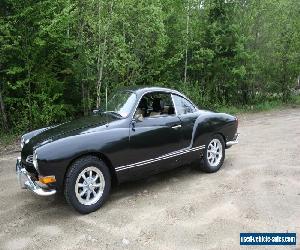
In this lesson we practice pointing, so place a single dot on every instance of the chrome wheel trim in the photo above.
(89, 186)
(214, 152)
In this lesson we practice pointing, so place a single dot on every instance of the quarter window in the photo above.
(183, 106)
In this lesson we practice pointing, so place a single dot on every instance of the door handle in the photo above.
(176, 126)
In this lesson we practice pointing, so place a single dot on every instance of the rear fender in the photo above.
(208, 124)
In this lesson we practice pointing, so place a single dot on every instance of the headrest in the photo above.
(157, 105)
(143, 103)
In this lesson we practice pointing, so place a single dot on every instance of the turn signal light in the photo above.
(47, 179)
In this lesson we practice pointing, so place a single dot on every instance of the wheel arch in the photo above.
(222, 135)
(100, 156)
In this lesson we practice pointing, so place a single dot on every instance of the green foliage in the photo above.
(7, 139)
(58, 57)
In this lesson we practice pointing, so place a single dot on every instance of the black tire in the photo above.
(71, 179)
(207, 166)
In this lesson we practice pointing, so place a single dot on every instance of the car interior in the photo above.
(155, 104)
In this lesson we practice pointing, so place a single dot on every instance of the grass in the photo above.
(259, 107)
(8, 139)
(296, 99)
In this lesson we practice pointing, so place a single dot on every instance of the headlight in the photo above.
(22, 142)
(34, 160)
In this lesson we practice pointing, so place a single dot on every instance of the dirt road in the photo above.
(257, 190)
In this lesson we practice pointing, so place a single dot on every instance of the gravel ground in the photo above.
(257, 190)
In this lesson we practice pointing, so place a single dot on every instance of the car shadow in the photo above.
(57, 207)
(162, 180)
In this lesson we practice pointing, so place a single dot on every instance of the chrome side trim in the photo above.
(177, 126)
(163, 157)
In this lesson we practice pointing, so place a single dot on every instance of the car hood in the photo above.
(71, 128)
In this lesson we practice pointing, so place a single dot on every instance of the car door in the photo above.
(155, 138)
(187, 115)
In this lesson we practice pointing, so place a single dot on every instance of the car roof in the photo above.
(141, 90)
(145, 89)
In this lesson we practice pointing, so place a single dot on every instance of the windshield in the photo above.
(121, 103)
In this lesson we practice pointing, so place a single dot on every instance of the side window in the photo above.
(182, 105)
(155, 104)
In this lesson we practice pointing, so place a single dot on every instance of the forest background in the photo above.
(57, 57)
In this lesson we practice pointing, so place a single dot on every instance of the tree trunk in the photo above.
(284, 83)
(100, 72)
(187, 40)
(29, 87)
(88, 99)
(83, 98)
(29, 95)
(101, 54)
(3, 112)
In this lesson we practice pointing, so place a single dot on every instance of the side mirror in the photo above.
(96, 111)
(137, 118)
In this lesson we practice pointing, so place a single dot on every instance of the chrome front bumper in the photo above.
(234, 141)
(26, 181)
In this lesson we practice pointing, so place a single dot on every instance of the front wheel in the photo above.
(87, 184)
(214, 154)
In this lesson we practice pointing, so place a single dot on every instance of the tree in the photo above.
(57, 58)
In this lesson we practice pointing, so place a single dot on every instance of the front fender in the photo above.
(55, 157)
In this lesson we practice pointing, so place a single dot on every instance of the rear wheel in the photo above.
(214, 154)
(87, 184)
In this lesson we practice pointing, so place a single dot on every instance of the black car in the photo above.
(144, 131)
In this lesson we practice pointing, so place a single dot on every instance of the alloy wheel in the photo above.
(214, 152)
(89, 186)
